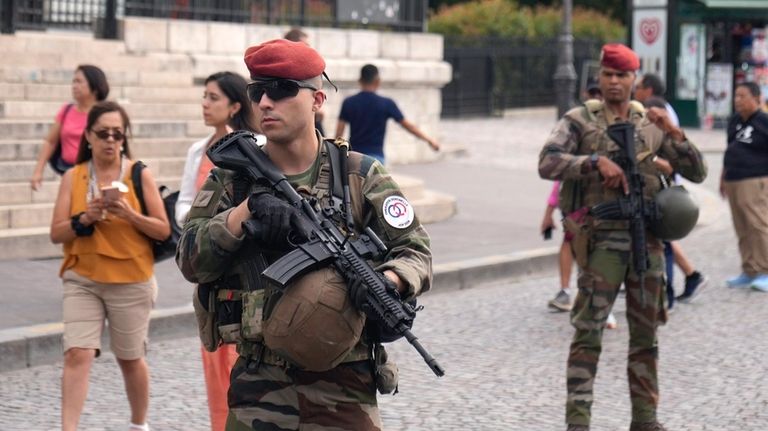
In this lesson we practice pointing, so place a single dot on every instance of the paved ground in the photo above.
(503, 352)
(504, 355)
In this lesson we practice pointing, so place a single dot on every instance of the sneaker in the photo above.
(741, 280)
(134, 427)
(610, 322)
(760, 283)
(646, 426)
(694, 284)
(561, 301)
(577, 428)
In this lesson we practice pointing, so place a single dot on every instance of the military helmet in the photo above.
(314, 325)
(678, 214)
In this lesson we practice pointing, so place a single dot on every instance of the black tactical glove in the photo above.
(358, 291)
(280, 223)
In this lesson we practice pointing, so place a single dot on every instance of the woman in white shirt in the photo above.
(226, 108)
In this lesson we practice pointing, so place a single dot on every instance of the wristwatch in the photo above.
(593, 158)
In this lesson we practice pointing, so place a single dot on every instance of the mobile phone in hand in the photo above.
(111, 193)
(547, 233)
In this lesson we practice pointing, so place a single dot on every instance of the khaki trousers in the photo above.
(749, 208)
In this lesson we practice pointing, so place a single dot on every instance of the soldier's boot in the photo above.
(647, 426)
(572, 427)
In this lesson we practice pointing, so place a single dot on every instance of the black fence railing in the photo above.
(492, 74)
(42, 14)
(398, 15)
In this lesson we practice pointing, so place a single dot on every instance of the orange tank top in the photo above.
(117, 252)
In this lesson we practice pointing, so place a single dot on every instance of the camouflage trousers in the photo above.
(273, 398)
(598, 285)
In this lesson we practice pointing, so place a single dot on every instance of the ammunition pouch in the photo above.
(385, 371)
(579, 225)
(218, 313)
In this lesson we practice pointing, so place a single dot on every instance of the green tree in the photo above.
(616, 9)
(506, 18)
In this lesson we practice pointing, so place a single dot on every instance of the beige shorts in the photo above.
(125, 306)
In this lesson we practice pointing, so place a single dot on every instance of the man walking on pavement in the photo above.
(745, 183)
(367, 114)
(579, 153)
(651, 87)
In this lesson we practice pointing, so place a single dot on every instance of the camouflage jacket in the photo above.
(208, 251)
(582, 132)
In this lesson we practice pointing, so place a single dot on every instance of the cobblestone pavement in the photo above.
(503, 352)
(504, 356)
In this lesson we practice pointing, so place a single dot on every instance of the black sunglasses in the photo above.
(276, 89)
(117, 135)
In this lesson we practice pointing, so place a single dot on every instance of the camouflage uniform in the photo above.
(271, 394)
(608, 264)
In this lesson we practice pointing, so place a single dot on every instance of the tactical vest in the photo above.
(243, 300)
(589, 191)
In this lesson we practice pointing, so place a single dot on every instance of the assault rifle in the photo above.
(633, 207)
(327, 244)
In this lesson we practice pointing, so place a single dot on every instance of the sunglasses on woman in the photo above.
(105, 134)
(276, 89)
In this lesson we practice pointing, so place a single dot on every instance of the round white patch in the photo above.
(397, 212)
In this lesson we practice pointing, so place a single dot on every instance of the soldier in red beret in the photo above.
(589, 165)
(291, 375)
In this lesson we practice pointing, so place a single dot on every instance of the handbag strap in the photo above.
(136, 169)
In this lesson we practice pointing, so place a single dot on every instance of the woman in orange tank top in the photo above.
(226, 107)
(107, 270)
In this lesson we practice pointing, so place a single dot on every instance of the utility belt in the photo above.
(258, 353)
(385, 371)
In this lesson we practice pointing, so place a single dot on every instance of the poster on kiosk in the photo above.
(649, 39)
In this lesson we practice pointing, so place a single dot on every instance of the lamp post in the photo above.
(565, 75)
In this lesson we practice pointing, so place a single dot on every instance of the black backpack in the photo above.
(166, 248)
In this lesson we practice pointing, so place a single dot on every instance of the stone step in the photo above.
(25, 216)
(412, 187)
(151, 63)
(34, 242)
(27, 149)
(72, 43)
(22, 207)
(125, 93)
(129, 76)
(142, 128)
(433, 206)
(33, 109)
(20, 170)
(28, 243)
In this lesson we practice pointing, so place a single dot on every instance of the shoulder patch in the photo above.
(202, 199)
(397, 211)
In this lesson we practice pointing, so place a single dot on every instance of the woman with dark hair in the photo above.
(108, 266)
(89, 85)
(226, 108)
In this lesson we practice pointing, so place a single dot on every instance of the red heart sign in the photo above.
(650, 28)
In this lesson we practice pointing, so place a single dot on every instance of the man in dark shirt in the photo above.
(745, 184)
(367, 114)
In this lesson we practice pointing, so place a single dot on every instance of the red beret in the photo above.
(619, 57)
(282, 58)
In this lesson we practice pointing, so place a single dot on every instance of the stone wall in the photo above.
(411, 66)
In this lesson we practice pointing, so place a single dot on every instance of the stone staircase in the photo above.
(161, 97)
